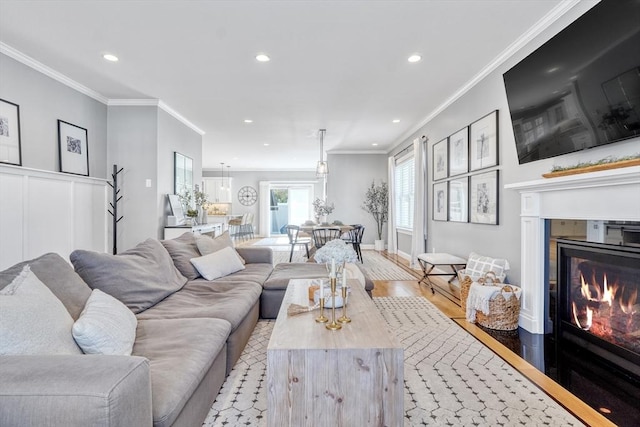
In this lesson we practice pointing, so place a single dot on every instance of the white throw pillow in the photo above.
(105, 326)
(33, 320)
(478, 265)
(218, 264)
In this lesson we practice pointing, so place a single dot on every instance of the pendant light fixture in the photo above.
(229, 178)
(323, 167)
(222, 175)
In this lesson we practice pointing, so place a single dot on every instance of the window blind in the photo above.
(404, 192)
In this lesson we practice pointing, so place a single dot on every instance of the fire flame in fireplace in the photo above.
(601, 302)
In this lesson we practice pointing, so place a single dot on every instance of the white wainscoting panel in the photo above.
(43, 211)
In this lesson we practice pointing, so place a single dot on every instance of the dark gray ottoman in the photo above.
(275, 286)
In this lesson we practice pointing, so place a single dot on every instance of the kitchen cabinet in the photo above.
(219, 190)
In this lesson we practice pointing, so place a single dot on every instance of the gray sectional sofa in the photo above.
(190, 332)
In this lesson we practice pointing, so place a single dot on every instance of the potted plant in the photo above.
(197, 198)
(322, 209)
(376, 202)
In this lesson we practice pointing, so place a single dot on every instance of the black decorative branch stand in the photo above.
(114, 206)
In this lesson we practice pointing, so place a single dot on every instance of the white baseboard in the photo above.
(404, 255)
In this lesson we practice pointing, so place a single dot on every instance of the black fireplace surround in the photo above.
(598, 304)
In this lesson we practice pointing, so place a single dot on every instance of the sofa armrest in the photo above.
(252, 254)
(79, 390)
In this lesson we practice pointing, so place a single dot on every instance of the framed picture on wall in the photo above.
(440, 203)
(182, 173)
(458, 200)
(73, 148)
(440, 162)
(459, 152)
(483, 142)
(10, 133)
(484, 198)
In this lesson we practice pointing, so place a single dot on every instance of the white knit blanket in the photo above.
(478, 299)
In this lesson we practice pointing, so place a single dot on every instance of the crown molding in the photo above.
(155, 103)
(59, 77)
(50, 72)
(552, 16)
(377, 151)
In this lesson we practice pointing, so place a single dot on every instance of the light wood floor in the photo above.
(579, 409)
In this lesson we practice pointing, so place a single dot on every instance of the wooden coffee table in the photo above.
(350, 377)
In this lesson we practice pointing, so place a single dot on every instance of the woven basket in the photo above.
(503, 312)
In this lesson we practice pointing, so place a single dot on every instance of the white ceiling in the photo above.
(339, 65)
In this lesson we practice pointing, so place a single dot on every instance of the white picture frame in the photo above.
(483, 142)
(459, 152)
(459, 200)
(73, 149)
(440, 201)
(10, 148)
(440, 162)
(484, 198)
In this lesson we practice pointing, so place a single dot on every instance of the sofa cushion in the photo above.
(181, 250)
(256, 273)
(58, 275)
(199, 298)
(478, 265)
(207, 245)
(106, 326)
(139, 277)
(180, 352)
(218, 264)
(33, 320)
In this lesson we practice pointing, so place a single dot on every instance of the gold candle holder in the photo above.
(322, 318)
(334, 326)
(344, 318)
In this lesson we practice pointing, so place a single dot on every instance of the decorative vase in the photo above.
(203, 215)
(378, 245)
(323, 219)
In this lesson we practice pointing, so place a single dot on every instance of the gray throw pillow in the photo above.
(140, 277)
(206, 245)
(182, 249)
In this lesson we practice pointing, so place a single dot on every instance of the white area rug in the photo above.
(375, 265)
(450, 378)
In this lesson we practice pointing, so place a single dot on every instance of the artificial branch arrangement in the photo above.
(189, 199)
(322, 208)
(376, 202)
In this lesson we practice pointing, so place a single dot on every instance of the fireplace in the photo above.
(598, 302)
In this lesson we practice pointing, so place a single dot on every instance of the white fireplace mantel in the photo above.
(612, 195)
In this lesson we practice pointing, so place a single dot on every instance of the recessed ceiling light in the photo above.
(553, 70)
(396, 120)
(248, 121)
(414, 58)
(265, 144)
(375, 144)
(110, 57)
(261, 57)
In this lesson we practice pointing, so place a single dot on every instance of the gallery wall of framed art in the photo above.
(466, 181)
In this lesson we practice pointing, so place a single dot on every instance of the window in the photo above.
(404, 192)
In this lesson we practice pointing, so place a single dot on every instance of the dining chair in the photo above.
(293, 232)
(354, 236)
(322, 235)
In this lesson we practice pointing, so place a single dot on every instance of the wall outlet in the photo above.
(148, 183)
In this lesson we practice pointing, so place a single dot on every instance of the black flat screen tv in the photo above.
(581, 89)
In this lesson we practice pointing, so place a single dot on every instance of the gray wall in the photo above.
(133, 136)
(173, 136)
(42, 102)
(142, 140)
(349, 177)
(502, 240)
